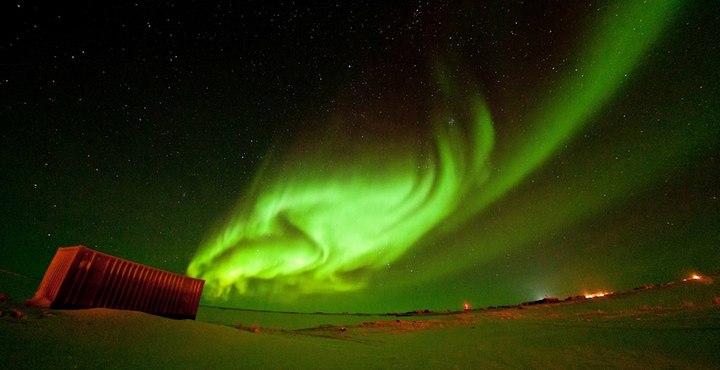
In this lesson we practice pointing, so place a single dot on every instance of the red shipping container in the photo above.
(79, 277)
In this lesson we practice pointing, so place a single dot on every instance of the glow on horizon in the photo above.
(597, 294)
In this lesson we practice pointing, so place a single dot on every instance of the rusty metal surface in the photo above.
(79, 277)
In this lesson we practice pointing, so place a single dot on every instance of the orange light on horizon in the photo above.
(596, 295)
(694, 277)
(466, 306)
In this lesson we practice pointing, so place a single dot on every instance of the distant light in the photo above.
(694, 277)
(466, 306)
(596, 295)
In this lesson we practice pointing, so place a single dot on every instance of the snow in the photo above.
(675, 326)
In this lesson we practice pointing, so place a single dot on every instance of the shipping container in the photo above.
(79, 277)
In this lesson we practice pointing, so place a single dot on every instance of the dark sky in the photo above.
(336, 157)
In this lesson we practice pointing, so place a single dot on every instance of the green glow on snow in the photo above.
(324, 220)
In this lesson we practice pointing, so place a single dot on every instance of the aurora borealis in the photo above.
(355, 207)
(362, 158)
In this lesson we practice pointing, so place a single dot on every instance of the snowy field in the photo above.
(675, 326)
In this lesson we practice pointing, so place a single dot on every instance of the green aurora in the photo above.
(330, 212)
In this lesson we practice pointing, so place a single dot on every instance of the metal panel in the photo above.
(79, 277)
(54, 277)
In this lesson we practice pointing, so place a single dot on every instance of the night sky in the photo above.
(366, 157)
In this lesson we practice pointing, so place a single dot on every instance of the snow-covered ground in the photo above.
(675, 326)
